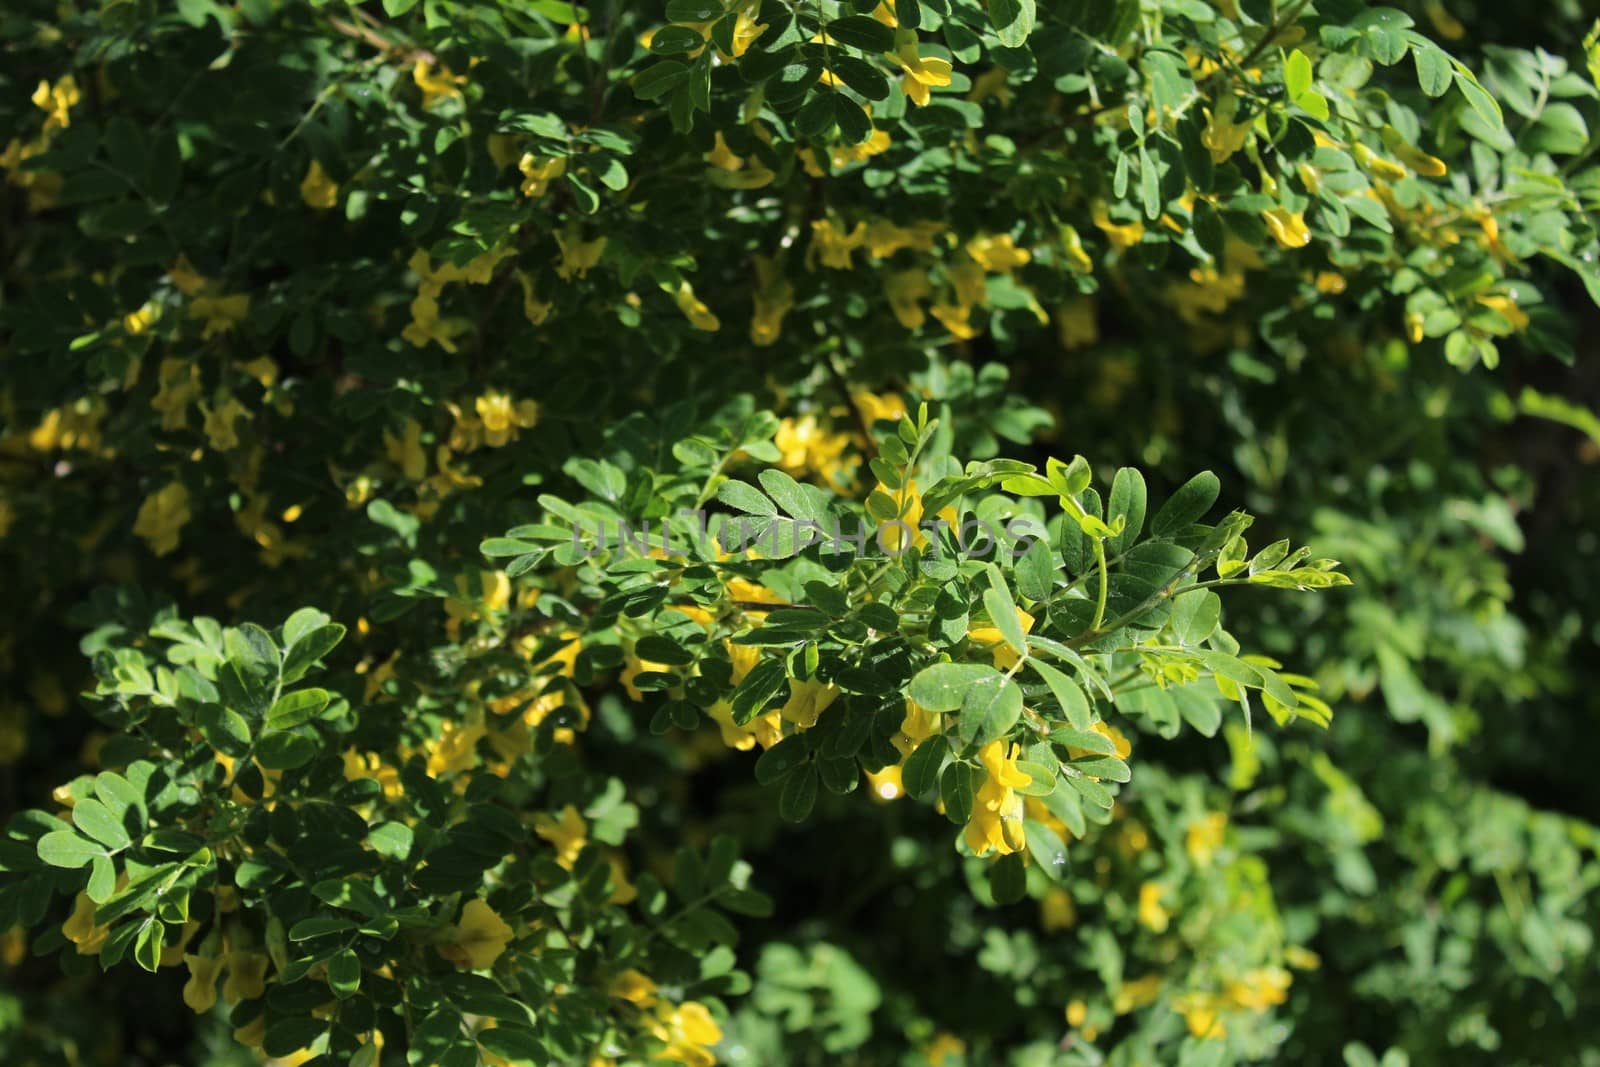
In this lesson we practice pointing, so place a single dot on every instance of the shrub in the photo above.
(555, 515)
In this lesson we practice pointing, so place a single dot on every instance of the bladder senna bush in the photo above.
(486, 468)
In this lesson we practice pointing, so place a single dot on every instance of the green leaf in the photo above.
(799, 795)
(746, 498)
(63, 848)
(795, 499)
(96, 820)
(1433, 69)
(396, 8)
(658, 80)
(1195, 616)
(1008, 878)
(863, 32)
(391, 839)
(1003, 611)
(989, 710)
(295, 708)
(782, 758)
(344, 974)
(1074, 705)
(1036, 572)
(693, 10)
(1297, 74)
(309, 649)
(1108, 768)
(1186, 506)
(514, 1043)
(920, 773)
(955, 789)
(501, 547)
(1128, 500)
(1047, 849)
(147, 944)
(319, 926)
(1479, 99)
(943, 686)
(1013, 20)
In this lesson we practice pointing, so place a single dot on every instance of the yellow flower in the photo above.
(632, 667)
(436, 85)
(765, 730)
(1005, 657)
(317, 189)
(1076, 323)
(1152, 913)
(1204, 837)
(905, 291)
(219, 423)
(568, 834)
(1448, 26)
(1121, 235)
(56, 101)
(832, 245)
(992, 82)
(944, 1046)
(502, 417)
(695, 310)
(406, 451)
(744, 659)
(185, 278)
(998, 254)
(1330, 282)
(80, 927)
(1260, 988)
(634, 986)
(997, 810)
(918, 725)
(773, 297)
(535, 310)
(577, 255)
(1506, 307)
(1133, 995)
(956, 318)
(1377, 165)
(922, 73)
(1077, 259)
(455, 750)
(1119, 743)
(1201, 1013)
(162, 515)
(478, 940)
(1077, 1012)
(746, 30)
(1057, 911)
(200, 991)
(808, 698)
(1222, 136)
(538, 172)
(1287, 227)
(731, 171)
(137, 322)
(884, 238)
(222, 313)
(690, 1033)
(805, 448)
(247, 976)
(887, 784)
(1412, 156)
(889, 407)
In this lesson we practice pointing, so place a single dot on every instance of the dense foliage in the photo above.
(686, 532)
